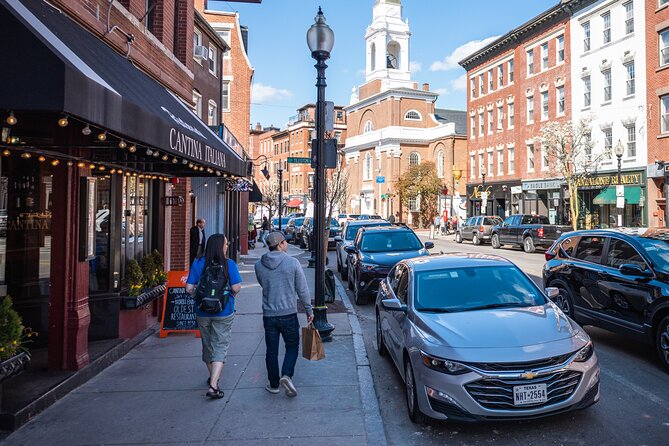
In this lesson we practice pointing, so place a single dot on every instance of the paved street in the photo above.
(633, 410)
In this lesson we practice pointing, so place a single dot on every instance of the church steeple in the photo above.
(387, 43)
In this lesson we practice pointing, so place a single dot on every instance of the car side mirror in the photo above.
(429, 245)
(630, 269)
(393, 305)
(337, 238)
(350, 249)
(552, 292)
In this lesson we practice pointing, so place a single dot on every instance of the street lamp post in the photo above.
(320, 40)
(619, 150)
(484, 195)
(280, 176)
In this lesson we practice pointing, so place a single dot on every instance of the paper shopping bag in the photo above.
(312, 346)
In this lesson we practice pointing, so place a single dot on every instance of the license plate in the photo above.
(530, 394)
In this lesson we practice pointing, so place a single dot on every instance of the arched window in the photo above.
(413, 115)
(440, 164)
(393, 56)
(373, 56)
(368, 127)
(367, 167)
(414, 159)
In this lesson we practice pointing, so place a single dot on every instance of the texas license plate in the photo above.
(530, 394)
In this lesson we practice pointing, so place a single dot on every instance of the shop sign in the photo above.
(175, 200)
(27, 221)
(607, 180)
(535, 185)
(238, 185)
(178, 306)
(516, 190)
(192, 148)
(478, 190)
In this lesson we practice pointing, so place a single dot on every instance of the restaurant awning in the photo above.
(53, 64)
(608, 195)
(255, 196)
(295, 202)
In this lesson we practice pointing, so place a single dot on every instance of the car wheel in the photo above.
(338, 264)
(475, 239)
(662, 341)
(359, 298)
(565, 301)
(494, 241)
(528, 245)
(380, 345)
(412, 397)
(458, 237)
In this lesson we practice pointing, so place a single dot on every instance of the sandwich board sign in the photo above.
(178, 307)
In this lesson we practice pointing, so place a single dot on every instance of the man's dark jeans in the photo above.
(288, 327)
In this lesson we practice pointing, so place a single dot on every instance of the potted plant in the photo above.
(145, 279)
(14, 356)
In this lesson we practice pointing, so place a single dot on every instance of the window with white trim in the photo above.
(472, 166)
(472, 125)
(481, 124)
(560, 100)
(530, 62)
(586, 91)
(511, 115)
(512, 161)
(559, 54)
(544, 105)
(500, 75)
(608, 141)
(225, 35)
(544, 158)
(530, 109)
(414, 204)
(663, 2)
(664, 48)
(481, 163)
(500, 161)
(440, 164)
(197, 102)
(491, 80)
(481, 85)
(530, 157)
(511, 71)
(587, 143)
(630, 82)
(414, 159)
(586, 36)
(629, 17)
(631, 140)
(544, 56)
(491, 164)
(212, 111)
(225, 95)
(606, 19)
(213, 54)
(367, 167)
(607, 85)
(490, 121)
(664, 118)
(197, 41)
(500, 118)
(472, 86)
(369, 127)
(412, 115)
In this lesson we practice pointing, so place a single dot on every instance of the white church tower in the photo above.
(387, 44)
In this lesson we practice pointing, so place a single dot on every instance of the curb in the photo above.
(376, 434)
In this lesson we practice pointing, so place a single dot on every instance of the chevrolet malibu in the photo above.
(475, 339)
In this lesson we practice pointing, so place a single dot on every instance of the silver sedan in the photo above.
(474, 339)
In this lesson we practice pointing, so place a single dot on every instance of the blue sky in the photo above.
(443, 32)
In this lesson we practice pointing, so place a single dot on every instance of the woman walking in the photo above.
(215, 327)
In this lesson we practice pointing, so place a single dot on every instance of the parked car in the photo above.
(615, 279)
(294, 229)
(308, 229)
(369, 217)
(477, 229)
(528, 231)
(284, 224)
(295, 214)
(475, 339)
(374, 251)
(343, 218)
(349, 231)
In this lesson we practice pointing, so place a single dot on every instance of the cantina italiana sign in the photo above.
(192, 148)
(607, 180)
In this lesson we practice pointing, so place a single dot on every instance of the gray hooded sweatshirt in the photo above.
(282, 280)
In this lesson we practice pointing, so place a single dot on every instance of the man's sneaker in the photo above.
(287, 384)
(271, 389)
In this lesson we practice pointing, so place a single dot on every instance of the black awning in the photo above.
(54, 64)
(255, 196)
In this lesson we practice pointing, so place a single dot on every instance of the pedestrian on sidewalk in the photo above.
(215, 328)
(264, 231)
(283, 282)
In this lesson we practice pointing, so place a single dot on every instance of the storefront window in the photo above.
(98, 279)
(134, 220)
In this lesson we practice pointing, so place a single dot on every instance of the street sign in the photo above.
(620, 190)
(299, 160)
(380, 179)
(620, 202)
(329, 116)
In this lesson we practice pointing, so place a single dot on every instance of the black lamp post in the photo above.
(619, 150)
(483, 174)
(280, 176)
(320, 40)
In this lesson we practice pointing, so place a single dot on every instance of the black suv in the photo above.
(615, 279)
(374, 252)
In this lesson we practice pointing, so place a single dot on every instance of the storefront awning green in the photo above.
(608, 195)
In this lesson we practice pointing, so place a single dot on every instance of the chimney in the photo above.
(258, 127)
(426, 87)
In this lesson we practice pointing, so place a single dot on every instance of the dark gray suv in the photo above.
(477, 229)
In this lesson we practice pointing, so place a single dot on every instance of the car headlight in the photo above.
(443, 365)
(369, 266)
(584, 353)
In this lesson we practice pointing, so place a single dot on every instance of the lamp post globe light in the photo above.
(320, 40)
(619, 151)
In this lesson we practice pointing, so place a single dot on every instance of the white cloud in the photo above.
(415, 67)
(267, 93)
(460, 84)
(451, 61)
(440, 91)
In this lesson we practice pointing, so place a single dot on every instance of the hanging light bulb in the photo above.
(122, 144)
(132, 148)
(101, 168)
(63, 122)
(127, 174)
(175, 160)
(156, 154)
(165, 157)
(92, 166)
(11, 119)
(218, 173)
(184, 161)
(54, 163)
(25, 155)
(70, 164)
(190, 165)
(41, 159)
(149, 152)
(120, 172)
(86, 130)
(81, 164)
(6, 152)
(201, 168)
(102, 136)
(113, 171)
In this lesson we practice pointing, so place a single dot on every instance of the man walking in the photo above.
(283, 282)
(197, 240)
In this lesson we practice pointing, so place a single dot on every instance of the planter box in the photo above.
(14, 365)
(132, 302)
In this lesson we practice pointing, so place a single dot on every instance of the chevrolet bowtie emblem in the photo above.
(529, 375)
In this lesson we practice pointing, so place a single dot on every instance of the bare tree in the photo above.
(337, 190)
(568, 148)
(270, 195)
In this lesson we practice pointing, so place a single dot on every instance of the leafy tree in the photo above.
(568, 147)
(421, 180)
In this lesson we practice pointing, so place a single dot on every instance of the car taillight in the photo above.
(549, 255)
(481, 228)
(551, 252)
(540, 232)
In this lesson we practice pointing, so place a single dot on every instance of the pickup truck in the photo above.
(528, 231)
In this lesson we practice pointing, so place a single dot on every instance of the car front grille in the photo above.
(521, 366)
(497, 394)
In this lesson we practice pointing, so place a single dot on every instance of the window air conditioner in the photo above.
(200, 52)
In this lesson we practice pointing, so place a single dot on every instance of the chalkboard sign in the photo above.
(178, 306)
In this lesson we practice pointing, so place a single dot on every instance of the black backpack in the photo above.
(213, 290)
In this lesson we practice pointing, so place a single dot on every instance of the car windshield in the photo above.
(284, 221)
(390, 241)
(298, 221)
(352, 230)
(475, 288)
(657, 249)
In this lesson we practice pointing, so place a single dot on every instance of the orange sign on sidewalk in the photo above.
(178, 307)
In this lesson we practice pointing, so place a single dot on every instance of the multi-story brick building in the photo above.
(657, 68)
(393, 124)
